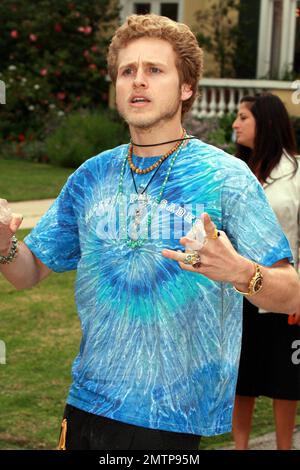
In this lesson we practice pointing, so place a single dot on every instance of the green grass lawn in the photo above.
(21, 180)
(42, 333)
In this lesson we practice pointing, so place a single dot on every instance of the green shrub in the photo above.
(83, 135)
(31, 151)
(222, 136)
(214, 130)
(53, 59)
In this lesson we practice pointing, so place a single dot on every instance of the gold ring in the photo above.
(192, 259)
(197, 264)
(215, 235)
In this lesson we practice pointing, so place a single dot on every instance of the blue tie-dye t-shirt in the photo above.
(160, 345)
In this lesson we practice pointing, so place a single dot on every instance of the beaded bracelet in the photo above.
(12, 253)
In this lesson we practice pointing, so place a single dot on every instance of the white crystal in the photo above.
(197, 236)
(5, 212)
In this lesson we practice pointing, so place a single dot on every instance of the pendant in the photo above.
(134, 227)
(133, 233)
(143, 199)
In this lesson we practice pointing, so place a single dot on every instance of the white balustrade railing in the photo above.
(219, 96)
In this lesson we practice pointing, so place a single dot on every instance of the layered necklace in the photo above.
(134, 238)
(143, 171)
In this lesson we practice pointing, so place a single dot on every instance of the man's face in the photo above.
(148, 90)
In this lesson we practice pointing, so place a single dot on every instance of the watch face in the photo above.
(258, 284)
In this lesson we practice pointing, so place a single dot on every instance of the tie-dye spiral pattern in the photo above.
(160, 346)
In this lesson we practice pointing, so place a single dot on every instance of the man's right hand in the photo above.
(9, 224)
(25, 270)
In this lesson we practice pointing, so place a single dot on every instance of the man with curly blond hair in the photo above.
(161, 326)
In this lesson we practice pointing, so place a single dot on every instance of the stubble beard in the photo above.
(143, 123)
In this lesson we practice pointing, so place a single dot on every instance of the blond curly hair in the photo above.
(189, 55)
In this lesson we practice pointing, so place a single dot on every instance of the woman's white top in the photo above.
(283, 193)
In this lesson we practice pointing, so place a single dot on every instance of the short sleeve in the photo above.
(250, 223)
(55, 239)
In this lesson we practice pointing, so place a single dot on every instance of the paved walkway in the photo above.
(33, 210)
(268, 441)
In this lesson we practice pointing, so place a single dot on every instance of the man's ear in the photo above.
(186, 91)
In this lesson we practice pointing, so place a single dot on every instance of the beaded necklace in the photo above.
(134, 240)
(139, 171)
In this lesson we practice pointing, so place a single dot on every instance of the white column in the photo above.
(126, 9)
(155, 6)
(264, 38)
(232, 104)
(241, 93)
(287, 48)
(203, 103)
(213, 103)
(181, 11)
(222, 103)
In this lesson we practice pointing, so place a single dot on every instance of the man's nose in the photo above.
(140, 79)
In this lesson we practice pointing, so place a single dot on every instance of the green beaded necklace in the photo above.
(138, 242)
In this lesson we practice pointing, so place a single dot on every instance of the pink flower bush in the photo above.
(48, 56)
(85, 29)
(61, 95)
(57, 28)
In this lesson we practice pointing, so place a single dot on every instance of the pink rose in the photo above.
(61, 95)
(43, 72)
(88, 30)
(14, 34)
(32, 37)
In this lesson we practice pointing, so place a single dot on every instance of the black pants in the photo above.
(86, 431)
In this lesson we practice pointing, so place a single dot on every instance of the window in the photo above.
(170, 10)
(142, 8)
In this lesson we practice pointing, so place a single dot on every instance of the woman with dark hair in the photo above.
(268, 364)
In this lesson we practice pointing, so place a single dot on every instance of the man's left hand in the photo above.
(219, 260)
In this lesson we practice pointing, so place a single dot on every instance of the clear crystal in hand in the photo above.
(197, 236)
(5, 212)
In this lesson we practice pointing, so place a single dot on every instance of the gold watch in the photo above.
(255, 284)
